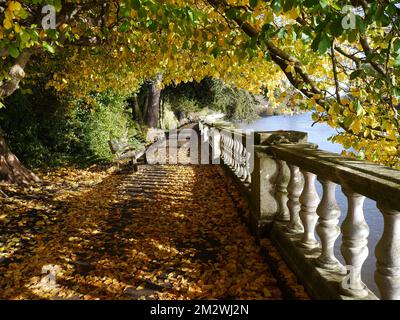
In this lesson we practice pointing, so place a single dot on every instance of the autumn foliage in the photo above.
(341, 55)
(166, 232)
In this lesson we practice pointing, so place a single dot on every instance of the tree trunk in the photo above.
(135, 104)
(11, 170)
(16, 74)
(153, 102)
(162, 111)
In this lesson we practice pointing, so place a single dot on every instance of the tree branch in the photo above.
(17, 73)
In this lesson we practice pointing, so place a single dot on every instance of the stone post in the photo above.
(264, 203)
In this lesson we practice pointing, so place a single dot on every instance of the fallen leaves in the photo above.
(166, 232)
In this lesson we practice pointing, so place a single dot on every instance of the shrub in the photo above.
(44, 130)
(188, 98)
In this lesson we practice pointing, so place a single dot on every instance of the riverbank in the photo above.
(271, 111)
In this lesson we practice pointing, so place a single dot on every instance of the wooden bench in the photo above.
(121, 149)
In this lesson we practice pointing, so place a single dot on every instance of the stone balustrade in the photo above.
(278, 173)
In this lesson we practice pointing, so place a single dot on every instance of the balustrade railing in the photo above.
(233, 148)
(304, 227)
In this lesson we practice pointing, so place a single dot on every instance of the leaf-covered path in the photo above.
(169, 232)
(164, 232)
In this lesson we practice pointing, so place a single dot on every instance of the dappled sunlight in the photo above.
(166, 232)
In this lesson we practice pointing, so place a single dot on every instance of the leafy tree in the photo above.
(345, 63)
(213, 94)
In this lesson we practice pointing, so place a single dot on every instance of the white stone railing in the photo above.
(231, 147)
(305, 228)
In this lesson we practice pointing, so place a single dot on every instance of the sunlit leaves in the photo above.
(188, 40)
(110, 239)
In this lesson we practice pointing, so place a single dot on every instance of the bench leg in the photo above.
(134, 164)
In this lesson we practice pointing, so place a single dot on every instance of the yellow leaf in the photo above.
(14, 6)
(17, 28)
(7, 24)
(356, 126)
(292, 14)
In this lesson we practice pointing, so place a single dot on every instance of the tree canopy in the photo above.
(344, 56)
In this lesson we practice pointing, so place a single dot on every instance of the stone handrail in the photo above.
(285, 203)
(229, 145)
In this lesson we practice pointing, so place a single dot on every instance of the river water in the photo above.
(319, 134)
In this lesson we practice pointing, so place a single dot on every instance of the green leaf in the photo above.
(397, 61)
(14, 52)
(324, 44)
(323, 3)
(336, 28)
(276, 6)
(396, 92)
(282, 33)
(215, 52)
(142, 13)
(125, 26)
(232, 13)
(48, 47)
(57, 5)
(353, 35)
(135, 4)
(396, 46)
(125, 11)
(355, 74)
(360, 24)
(25, 37)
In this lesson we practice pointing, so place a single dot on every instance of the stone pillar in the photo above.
(263, 201)
(264, 177)
(216, 146)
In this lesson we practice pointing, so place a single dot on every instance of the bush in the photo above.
(189, 98)
(45, 130)
(108, 119)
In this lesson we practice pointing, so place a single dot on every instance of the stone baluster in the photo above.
(226, 148)
(309, 200)
(281, 193)
(222, 146)
(295, 188)
(216, 146)
(354, 245)
(243, 163)
(230, 151)
(233, 164)
(327, 228)
(237, 158)
(248, 157)
(205, 134)
(387, 274)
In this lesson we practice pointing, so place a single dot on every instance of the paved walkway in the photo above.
(164, 232)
